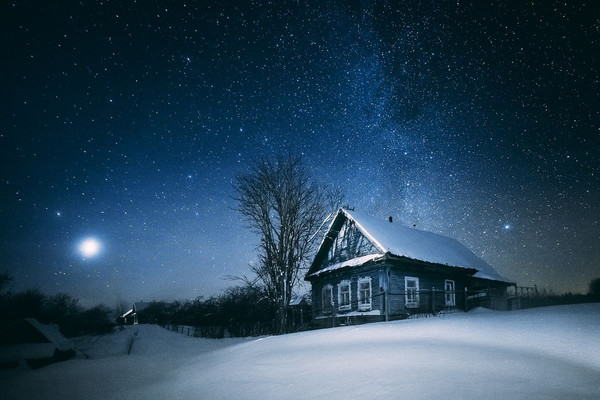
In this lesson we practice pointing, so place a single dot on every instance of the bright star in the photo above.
(89, 247)
(507, 226)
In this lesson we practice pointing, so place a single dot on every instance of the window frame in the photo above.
(452, 298)
(361, 306)
(343, 306)
(413, 303)
(332, 304)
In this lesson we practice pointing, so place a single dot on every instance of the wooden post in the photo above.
(433, 300)
(466, 299)
(332, 314)
(386, 305)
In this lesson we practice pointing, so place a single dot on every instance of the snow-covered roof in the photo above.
(53, 335)
(127, 314)
(28, 338)
(298, 299)
(399, 240)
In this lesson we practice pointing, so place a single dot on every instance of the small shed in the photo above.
(35, 343)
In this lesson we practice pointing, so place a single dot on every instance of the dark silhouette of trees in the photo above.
(63, 310)
(247, 310)
(5, 280)
(594, 290)
(242, 310)
(60, 309)
(157, 312)
(96, 320)
(29, 304)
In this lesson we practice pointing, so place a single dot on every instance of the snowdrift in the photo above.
(547, 352)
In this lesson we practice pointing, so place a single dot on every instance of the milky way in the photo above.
(128, 121)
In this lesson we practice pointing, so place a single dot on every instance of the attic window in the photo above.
(344, 295)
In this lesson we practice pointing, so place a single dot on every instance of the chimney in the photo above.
(391, 219)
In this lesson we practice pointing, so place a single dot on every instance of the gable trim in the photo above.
(355, 262)
(365, 232)
(339, 219)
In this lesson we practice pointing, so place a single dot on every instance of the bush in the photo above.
(594, 291)
(96, 320)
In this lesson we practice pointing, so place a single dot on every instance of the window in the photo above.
(344, 295)
(327, 298)
(411, 294)
(364, 293)
(450, 293)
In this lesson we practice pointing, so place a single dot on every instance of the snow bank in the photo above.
(547, 352)
(115, 344)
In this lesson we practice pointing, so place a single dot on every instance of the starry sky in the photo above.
(128, 121)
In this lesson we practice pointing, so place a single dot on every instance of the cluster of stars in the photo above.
(134, 119)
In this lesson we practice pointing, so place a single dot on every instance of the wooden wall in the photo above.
(427, 282)
(388, 276)
(353, 275)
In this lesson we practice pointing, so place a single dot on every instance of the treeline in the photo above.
(60, 309)
(546, 297)
(242, 310)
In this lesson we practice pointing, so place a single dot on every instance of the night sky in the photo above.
(128, 121)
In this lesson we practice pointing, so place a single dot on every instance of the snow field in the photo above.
(541, 353)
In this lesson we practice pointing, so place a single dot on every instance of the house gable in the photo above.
(348, 244)
(343, 242)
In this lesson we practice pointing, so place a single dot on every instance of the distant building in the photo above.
(131, 317)
(35, 343)
(373, 270)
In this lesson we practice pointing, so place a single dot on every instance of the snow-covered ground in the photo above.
(551, 352)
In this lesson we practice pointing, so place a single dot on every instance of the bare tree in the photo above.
(286, 209)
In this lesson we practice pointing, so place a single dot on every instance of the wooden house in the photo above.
(368, 269)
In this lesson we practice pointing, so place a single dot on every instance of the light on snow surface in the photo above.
(89, 247)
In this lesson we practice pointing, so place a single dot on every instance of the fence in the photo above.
(522, 291)
(379, 306)
(219, 332)
(214, 332)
